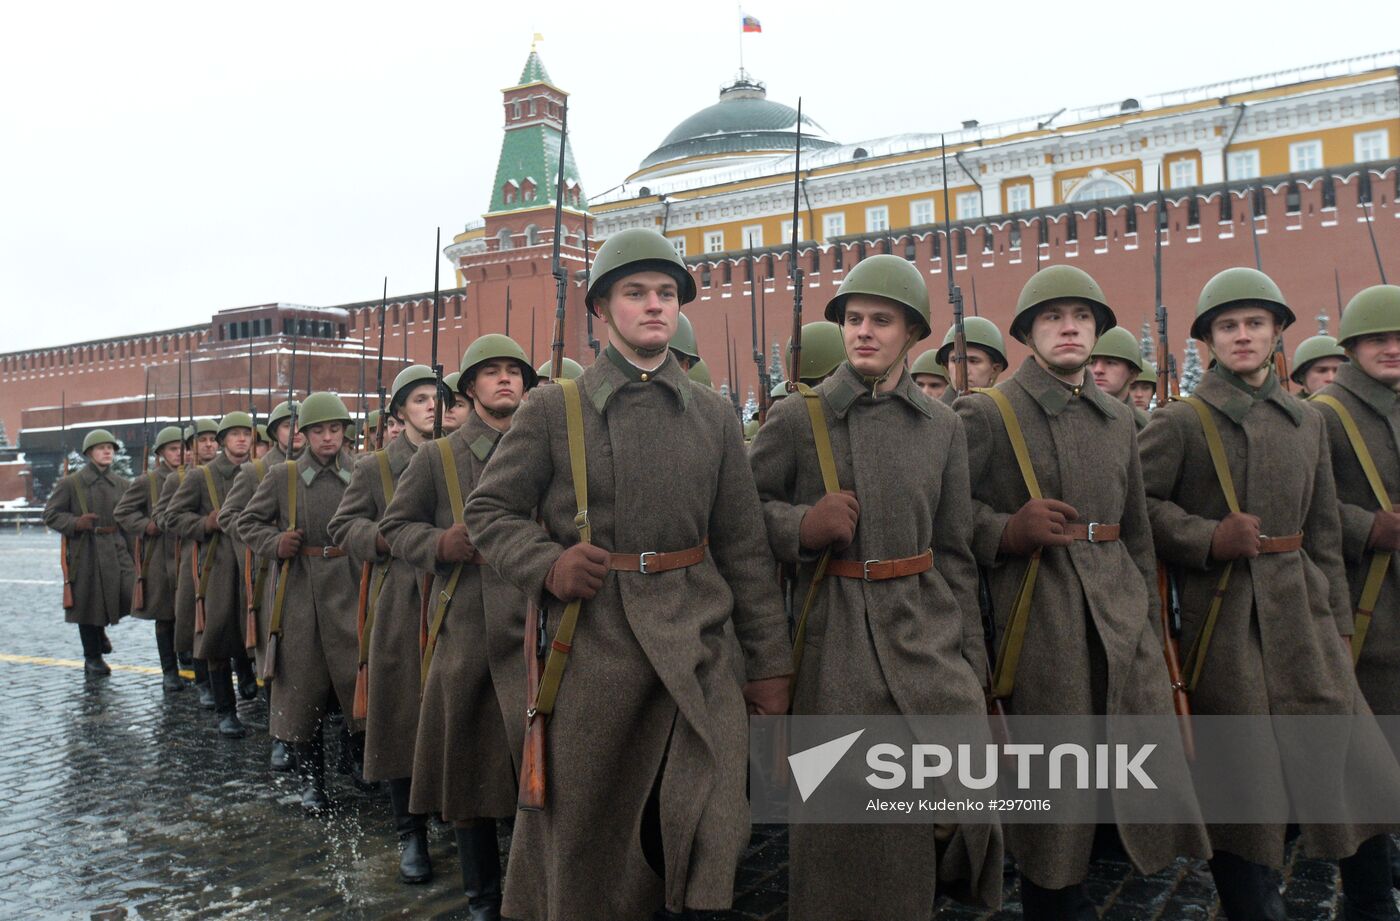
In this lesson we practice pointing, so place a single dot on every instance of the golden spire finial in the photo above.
(538, 38)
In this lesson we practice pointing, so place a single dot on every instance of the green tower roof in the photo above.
(534, 71)
(530, 156)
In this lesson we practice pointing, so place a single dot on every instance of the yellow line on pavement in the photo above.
(73, 663)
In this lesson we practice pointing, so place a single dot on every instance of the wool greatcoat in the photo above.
(319, 650)
(651, 698)
(181, 562)
(99, 565)
(1276, 648)
(223, 600)
(1376, 411)
(471, 724)
(249, 476)
(1093, 639)
(392, 723)
(137, 509)
(911, 646)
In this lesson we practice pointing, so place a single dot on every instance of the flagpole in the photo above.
(741, 39)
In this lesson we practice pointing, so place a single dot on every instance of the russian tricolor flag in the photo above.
(751, 24)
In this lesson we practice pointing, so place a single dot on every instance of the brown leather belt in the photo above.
(651, 562)
(325, 553)
(105, 530)
(880, 570)
(1281, 544)
(1095, 532)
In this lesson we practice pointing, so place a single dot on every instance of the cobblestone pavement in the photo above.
(121, 802)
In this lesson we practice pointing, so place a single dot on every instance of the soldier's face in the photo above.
(101, 455)
(1111, 375)
(260, 448)
(206, 447)
(171, 454)
(931, 384)
(1142, 396)
(982, 370)
(325, 439)
(455, 416)
(1379, 357)
(642, 311)
(1320, 373)
(237, 441)
(499, 387)
(392, 429)
(419, 410)
(874, 331)
(1063, 333)
(1242, 338)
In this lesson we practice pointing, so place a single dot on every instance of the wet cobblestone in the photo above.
(121, 802)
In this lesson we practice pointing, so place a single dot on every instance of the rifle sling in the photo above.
(381, 570)
(444, 597)
(1380, 560)
(207, 566)
(275, 627)
(1013, 638)
(826, 461)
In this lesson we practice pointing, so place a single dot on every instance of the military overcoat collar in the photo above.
(846, 385)
(400, 451)
(602, 379)
(480, 437)
(308, 467)
(1224, 390)
(1054, 395)
(89, 474)
(1366, 388)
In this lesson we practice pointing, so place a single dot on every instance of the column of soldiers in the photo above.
(622, 511)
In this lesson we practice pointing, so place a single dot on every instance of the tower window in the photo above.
(1329, 192)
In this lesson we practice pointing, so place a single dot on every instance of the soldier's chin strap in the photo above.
(1061, 369)
(1268, 362)
(874, 382)
(640, 351)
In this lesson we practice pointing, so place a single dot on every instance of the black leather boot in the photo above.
(169, 665)
(106, 643)
(1366, 883)
(1068, 904)
(247, 680)
(91, 638)
(311, 767)
(1394, 861)
(283, 759)
(415, 866)
(1248, 891)
(221, 686)
(352, 754)
(201, 684)
(481, 869)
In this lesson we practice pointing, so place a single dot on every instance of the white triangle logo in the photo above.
(810, 767)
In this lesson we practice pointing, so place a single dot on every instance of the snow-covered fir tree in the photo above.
(1146, 343)
(1191, 369)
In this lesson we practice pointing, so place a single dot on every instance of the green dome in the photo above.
(743, 120)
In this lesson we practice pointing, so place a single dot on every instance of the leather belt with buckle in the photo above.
(880, 570)
(1095, 532)
(325, 553)
(1280, 544)
(651, 562)
(107, 530)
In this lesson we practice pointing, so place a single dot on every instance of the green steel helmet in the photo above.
(169, 435)
(1315, 347)
(700, 373)
(1059, 282)
(188, 433)
(320, 408)
(372, 420)
(351, 431)
(1233, 286)
(405, 381)
(928, 363)
(1120, 344)
(237, 420)
(201, 427)
(449, 383)
(637, 249)
(684, 339)
(823, 348)
(978, 331)
(100, 437)
(888, 276)
(750, 429)
(779, 391)
(572, 369)
(1374, 310)
(495, 345)
(263, 436)
(1148, 375)
(280, 413)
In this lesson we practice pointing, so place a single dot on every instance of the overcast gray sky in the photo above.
(162, 161)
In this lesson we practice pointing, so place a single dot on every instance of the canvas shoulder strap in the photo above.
(826, 462)
(386, 476)
(444, 597)
(275, 627)
(81, 492)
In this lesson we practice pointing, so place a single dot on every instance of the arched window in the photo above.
(532, 235)
(1099, 187)
(503, 239)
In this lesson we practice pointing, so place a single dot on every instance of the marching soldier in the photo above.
(136, 513)
(699, 372)
(572, 370)
(1144, 388)
(899, 636)
(98, 574)
(1081, 637)
(986, 354)
(388, 642)
(1116, 363)
(1315, 363)
(1266, 619)
(201, 446)
(262, 444)
(929, 376)
(470, 723)
(647, 737)
(454, 409)
(822, 352)
(312, 647)
(683, 345)
(193, 514)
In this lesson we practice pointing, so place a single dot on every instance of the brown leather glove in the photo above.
(578, 573)
(289, 544)
(211, 521)
(769, 696)
(85, 522)
(1037, 524)
(1385, 532)
(454, 546)
(381, 546)
(1236, 537)
(152, 529)
(831, 522)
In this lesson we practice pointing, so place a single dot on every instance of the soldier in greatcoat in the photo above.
(1316, 362)
(647, 739)
(388, 641)
(100, 574)
(312, 624)
(193, 515)
(470, 724)
(901, 636)
(1092, 638)
(1116, 363)
(201, 446)
(1279, 641)
(929, 376)
(136, 513)
(986, 354)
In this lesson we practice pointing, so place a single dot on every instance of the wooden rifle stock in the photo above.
(250, 630)
(67, 578)
(531, 797)
(138, 591)
(424, 595)
(1180, 699)
(360, 708)
(198, 600)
